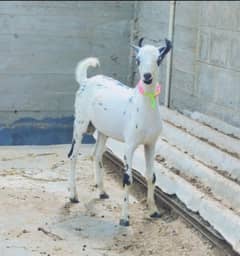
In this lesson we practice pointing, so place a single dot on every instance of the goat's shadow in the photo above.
(85, 223)
(88, 207)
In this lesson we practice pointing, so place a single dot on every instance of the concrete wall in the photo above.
(206, 54)
(41, 43)
(206, 73)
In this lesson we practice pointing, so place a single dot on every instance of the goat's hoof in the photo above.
(124, 223)
(74, 200)
(155, 215)
(104, 196)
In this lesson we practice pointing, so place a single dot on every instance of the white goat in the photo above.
(122, 113)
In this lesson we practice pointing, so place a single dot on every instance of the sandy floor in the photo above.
(36, 218)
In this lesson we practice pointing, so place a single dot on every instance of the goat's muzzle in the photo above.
(147, 78)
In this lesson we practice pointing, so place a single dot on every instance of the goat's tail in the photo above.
(82, 67)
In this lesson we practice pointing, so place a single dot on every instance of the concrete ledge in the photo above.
(199, 130)
(198, 172)
(207, 154)
(214, 123)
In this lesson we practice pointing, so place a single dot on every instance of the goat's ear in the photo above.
(164, 50)
(136, 48)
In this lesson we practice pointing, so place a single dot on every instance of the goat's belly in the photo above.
(111, 130)
(109, 124)
(109, 116)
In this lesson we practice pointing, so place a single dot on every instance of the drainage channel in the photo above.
(173, 203)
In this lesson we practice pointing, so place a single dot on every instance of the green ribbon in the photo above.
(152, 98)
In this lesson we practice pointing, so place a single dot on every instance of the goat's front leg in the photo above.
(151, 179)
(127, 182)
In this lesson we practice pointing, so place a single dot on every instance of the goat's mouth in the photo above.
(148, 81)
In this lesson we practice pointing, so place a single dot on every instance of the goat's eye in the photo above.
(138, 61)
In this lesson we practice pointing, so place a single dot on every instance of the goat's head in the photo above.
(148, 59)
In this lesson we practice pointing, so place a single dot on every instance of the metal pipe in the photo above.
(133, 36)
(169, 57)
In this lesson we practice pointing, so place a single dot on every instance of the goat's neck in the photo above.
(144, 101)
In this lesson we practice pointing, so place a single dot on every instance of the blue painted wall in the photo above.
(29, 131)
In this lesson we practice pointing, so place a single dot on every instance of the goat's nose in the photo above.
(147, 76)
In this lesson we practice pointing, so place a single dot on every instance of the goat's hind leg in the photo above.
(99, 171)
(151, 179)
(72, 176)
(73, 154)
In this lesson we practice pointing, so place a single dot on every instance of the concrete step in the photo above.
(203, 132)
(207, 154)
(215, 123)
(200, 175)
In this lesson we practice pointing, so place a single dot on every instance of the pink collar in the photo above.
(152, 95)
(141, 89)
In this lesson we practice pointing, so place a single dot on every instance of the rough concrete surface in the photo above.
(37, 219)
(42, 42)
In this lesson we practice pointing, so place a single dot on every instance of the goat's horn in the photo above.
(164, 50)
(168, 43)
(140, 41)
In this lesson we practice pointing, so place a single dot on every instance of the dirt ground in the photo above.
(36, 217)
